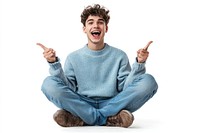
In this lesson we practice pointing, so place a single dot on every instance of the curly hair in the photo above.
(95, 10)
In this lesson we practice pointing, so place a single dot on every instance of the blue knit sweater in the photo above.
(97, 74)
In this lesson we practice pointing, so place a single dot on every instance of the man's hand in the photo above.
(48, 53)
(142, 54)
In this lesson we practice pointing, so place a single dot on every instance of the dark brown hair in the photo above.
(95, 10)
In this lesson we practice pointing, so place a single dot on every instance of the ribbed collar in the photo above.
(101, 52)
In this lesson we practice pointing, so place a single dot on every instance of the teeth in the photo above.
(96, 32)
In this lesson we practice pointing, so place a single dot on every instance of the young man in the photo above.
(97, 85)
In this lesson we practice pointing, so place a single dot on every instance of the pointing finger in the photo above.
(42, 46)
(148, 44)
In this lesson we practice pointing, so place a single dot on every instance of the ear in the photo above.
(106, 28)
(84, 29)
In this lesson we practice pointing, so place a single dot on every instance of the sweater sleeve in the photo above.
(137, 69)
(57, 71)
(70, 74)
(123, 72)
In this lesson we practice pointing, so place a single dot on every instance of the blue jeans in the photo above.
(96, 111)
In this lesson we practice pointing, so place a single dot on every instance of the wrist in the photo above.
(53, 60)
(140, 60)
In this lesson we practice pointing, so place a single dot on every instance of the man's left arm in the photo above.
(138, 68)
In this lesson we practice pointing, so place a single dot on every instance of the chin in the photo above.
(96, 41)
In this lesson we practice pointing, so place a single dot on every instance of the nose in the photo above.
(95, 25)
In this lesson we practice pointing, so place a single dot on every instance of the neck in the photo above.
(96, 46)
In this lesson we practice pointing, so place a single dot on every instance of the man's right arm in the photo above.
(54, 62)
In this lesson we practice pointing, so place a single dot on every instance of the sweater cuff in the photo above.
(138, 66)
(56, 65)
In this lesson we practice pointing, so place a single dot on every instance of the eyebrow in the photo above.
(93, 20)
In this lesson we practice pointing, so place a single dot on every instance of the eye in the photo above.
(90, 23)
(101, 22)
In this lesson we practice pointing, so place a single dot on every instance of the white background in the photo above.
(173, 25)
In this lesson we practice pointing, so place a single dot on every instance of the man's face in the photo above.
(95, 28)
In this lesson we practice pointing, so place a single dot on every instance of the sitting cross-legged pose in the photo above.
(97, 85)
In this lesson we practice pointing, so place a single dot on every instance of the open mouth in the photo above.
(95, 33)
